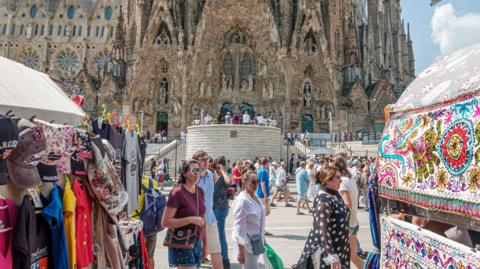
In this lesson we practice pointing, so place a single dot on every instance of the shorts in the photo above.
(302, 197)
(213, 240)
(151, 242)
(354, 230)
(160, 178)
(185, 257)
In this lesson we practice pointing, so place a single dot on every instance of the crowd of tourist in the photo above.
(198, 207)
(231, 118)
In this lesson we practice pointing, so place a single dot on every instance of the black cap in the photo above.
(48, 173)
(8, 141)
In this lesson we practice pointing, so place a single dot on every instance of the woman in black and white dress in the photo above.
(327, 244)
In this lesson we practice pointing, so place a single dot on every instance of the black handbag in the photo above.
(183, 238)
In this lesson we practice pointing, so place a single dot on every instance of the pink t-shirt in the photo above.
(8, 216)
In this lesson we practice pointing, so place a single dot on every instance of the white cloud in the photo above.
(452, 31)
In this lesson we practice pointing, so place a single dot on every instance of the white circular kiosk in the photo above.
(235, 142)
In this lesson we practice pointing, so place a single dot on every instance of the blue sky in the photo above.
(456, 23)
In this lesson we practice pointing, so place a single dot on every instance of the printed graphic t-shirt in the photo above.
(8, 216)
(53, 214)
(131, 154)
(32, 238)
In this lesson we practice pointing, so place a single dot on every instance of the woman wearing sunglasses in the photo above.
(327, 244)
(185, 211)
(248, 230)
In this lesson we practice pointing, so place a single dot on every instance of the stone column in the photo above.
(183, 68)
(286, 67)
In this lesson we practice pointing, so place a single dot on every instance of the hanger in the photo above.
(115, 119)
(104, 111)
(137, 128)
(109, 118)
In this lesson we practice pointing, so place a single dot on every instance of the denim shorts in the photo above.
(185, 257)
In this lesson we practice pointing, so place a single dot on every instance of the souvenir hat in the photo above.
(48, 173)
(8, 141)
(22, 162)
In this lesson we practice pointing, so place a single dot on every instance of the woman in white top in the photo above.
(349, 192)
(312, 181)
(249, 220)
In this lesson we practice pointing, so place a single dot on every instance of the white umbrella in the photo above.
(28, 92)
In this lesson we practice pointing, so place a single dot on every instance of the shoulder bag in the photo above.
(182, 238)
(256, 240)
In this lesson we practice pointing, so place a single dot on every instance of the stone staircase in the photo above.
(167, 151)
(355, 148)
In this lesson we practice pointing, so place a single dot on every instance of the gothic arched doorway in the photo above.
(162, 122)
(247, 107)
(226, 107)
(307, 123)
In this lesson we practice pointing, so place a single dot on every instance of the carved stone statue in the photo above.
(209, 69)
(163, 93)
(250, 82)
(307, 100)
(270, 90)
(202, 89)
(244, 85)
(263, 69)
(264, 90)
(209, 91)
(224, 82)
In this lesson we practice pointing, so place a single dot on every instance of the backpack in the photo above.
(153, 205)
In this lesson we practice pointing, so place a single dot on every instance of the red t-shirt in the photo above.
(186, 204)
(83, 225)
(236, 175)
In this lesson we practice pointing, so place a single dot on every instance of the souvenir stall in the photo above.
(67, 187)
(425, 192)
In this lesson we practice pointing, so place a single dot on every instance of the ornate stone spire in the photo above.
(117, 52)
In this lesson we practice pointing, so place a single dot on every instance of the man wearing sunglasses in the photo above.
(207, 183)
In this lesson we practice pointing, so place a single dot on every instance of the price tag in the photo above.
(37, 202)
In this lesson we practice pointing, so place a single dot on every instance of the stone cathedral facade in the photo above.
(168, 62)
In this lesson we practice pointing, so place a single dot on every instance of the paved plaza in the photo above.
(290, 232)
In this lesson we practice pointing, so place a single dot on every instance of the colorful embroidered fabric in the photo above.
(431, 158)
(447, 78)
(406, 246)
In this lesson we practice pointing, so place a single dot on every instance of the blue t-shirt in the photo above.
(53, 214)
(262, 175)
(207, 184)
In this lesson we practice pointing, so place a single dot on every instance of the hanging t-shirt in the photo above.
(100, 128)
(53, 214)
(131, 154)
(115, 138)
(69, 202)
(83, 225)
(8, 216)
(32, 238)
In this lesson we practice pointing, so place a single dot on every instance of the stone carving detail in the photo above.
(307, 93)
(310, 44)
(209, 69)
(163, 37)
(163, 96)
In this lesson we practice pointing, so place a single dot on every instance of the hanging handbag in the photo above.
(182, 238)
(256, 240)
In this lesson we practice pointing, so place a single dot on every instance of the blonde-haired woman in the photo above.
(327, 243)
